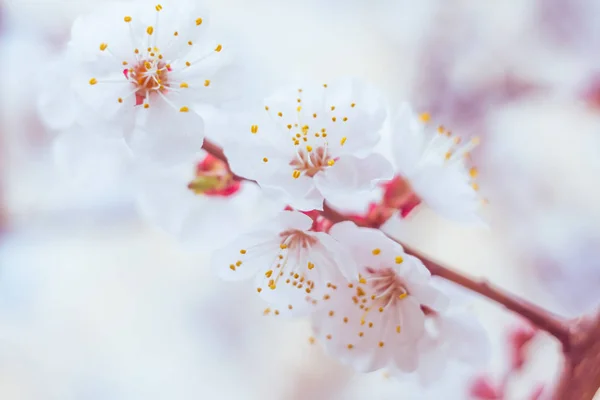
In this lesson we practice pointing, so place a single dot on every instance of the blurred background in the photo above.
(97, 304)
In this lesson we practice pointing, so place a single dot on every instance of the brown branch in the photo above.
(539, 317)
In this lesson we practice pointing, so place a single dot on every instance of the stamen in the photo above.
(198, 21)
(184, 109)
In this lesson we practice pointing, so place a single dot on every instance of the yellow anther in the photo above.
(124, 63)
(93, 81)
(219, 48)
(296, 174)
(265, 159)
(238, 263)
(290, 307)
(268, 273)
(146, 105)
(183, 85)
(283, 246)
(242, 251)
(380, 309)
(158, 7)
(350, 346)
(376, 252)
(254, 128)
(309, 148)
(332, 108)
(150, 30)
(324, 85)
(425, 117)
(381, 344)
(475, 186)
(299, 108)
(310, 265)
(343, 140)
(328, 337)
(184, 109)
(441, 129)
(103, 46)
(402, 296)
(399, 260)
(473, 172)
(267, 311)
(175, 33)
(363, 281)
(259, 290)
(448, 155)
(147, 65)
(127, 19)
(345, 320)
(280, 114)
(120, 99)
(361, 334)
(232, 267)
(324, 135)
(190, 43)
(276, 312)
(266, 108)
(333, 119)
(345, 119)
(136, 51)
(370, 324)
(353, 105)
(299, 100)
(331, 313)
(198, 21)
(207, 83)
(398, 329)
(331, 162)
(187, 63)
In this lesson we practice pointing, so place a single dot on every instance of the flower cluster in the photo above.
(140, 74)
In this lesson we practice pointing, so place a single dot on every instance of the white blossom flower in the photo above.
(293, 266)
(196, 201)
(377, 320)
(432, 162)
(145, 68)
(312, 143)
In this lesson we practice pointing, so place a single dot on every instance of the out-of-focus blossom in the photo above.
(313, 142)
(198, 201)
(433, 164)
(293, 267)
(375, 321)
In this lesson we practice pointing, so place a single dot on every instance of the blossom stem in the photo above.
(538, 316)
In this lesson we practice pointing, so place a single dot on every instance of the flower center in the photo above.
(387, 287)
(149, 75)
(312, 161)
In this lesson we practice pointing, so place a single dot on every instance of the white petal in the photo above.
(166, 136)
(429, 296)
(363, 243)
(351, 175)
(408, 140)
(260, 251)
